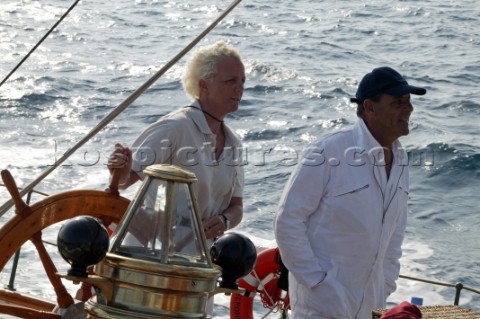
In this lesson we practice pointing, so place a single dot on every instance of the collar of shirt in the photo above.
(200, 121)
(365, 140)
(198, 118)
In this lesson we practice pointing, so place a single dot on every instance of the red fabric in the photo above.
(405, 310)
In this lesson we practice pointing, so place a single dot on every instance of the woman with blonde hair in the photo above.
(195, 137)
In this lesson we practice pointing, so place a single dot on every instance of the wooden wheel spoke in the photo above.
(64, 299)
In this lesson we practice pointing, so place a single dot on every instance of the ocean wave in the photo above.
(270, 134)
(263, 89)
(29, 105)
(459, 168)
(463, 106)
(448, 164)
(270, 72)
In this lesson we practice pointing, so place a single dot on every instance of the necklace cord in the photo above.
(212, 116)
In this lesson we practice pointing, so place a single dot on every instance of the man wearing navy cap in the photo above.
(341, 218)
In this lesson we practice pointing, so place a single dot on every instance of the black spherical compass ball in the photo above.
(236, 254)
(82, 242)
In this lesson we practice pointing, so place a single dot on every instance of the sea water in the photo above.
(303, 62)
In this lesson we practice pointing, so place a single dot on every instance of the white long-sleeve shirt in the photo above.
(340, 225)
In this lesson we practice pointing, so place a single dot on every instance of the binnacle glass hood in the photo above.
(163, 224)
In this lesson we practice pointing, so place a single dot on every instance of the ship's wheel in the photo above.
(28, 223)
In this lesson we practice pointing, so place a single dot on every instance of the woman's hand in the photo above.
(214, 227)
(121, 159)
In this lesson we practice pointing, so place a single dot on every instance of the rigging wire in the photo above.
(122, 106)
(39, 42)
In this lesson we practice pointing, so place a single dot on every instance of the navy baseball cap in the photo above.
(384, 80)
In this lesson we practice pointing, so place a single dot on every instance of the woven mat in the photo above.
(439, 312)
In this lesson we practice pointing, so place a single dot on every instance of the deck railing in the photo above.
(458, 286)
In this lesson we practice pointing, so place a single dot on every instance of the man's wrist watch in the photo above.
(226, 221)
